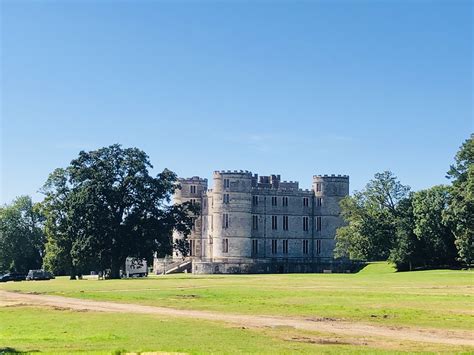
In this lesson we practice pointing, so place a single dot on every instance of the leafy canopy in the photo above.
(105, 206)
(21, 236)
(461, 205)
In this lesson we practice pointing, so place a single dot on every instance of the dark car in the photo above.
(12, 276)
(39, 275)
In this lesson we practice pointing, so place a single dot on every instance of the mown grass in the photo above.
(61, 331)
(435, 298)
(32, 329)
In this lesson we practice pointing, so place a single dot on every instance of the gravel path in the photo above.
(457, 337)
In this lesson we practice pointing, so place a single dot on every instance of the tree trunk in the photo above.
(72, 273)
(115, 268)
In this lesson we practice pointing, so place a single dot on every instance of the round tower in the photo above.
(231, 213)
(191, 190)
(329, 190)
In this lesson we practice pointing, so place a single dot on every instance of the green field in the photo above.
(441, 299)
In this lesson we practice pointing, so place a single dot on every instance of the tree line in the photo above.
(102, 208)
(430, 228)
(105, 206)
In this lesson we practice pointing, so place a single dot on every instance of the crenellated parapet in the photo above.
(245, 216)
(190, 189)
(331, 185)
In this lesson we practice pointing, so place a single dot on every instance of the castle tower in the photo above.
(329, 190)
(231, 215)
(192, 190)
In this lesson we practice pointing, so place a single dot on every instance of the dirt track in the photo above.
(316, 324)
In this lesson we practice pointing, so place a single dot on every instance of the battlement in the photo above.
(332, 176)
(193, 180)
(243, 173)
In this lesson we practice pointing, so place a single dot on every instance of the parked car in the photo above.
(39, 275)
(12, 276)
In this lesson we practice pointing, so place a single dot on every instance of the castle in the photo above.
(252, 224)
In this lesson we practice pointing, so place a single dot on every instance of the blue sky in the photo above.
(293, 88)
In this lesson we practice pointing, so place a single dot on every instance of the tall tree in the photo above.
(371, 219)
(423, 238)
(461, 204)
(437, 241)
(21, 235)
(109, 207)
(406, 251)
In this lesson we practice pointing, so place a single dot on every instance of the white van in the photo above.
(135, 267)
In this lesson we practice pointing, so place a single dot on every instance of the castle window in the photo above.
(318, 246)
(318, 223)
(193, 219)
(318, 187)
(226, 183)
(193, 201)
(305, 246)
(285, 223)
(225, 245)
(255, 222)
(274, 246)
(305, 202)
(226, 198)
(255, 247)
(274, 222)
(225, 221)
(284, 201)
(255, 200)
(285, 246)
(305, 224)
(212, 222)
(319, 201)
(192, 189)
(274, 201)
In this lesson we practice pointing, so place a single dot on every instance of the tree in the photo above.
(21, 235)
(437, 241)
(461, 205)
(105, 207)
(405, 253)
(371, 219)
(424, 239)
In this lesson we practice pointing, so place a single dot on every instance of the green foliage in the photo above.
(105, 207)
(423, 237)
(434, 234)
(426, 229)
(405, 253)
(21, 235)
(461, 205)
(371, 217)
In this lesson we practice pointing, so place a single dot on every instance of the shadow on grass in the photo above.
(8, 350)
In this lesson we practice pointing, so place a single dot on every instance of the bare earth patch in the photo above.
(328, 325)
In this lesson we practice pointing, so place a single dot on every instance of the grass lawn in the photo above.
(61, 331)
(437, 298)
(34, 329)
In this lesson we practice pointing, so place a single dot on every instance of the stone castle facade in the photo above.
(259, 224)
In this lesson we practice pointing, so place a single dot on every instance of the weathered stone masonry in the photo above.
(252, 224)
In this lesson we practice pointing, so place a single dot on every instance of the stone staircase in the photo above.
(162, 267)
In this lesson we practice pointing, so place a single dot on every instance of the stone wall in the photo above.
(226, 232)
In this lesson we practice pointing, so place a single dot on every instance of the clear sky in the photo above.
(287, 87)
